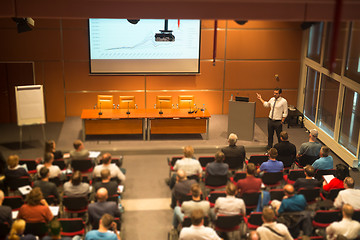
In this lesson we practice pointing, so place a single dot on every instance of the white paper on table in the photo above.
(25, 190)
(328, 178)
(54, 210)
(14, 214)
(94, 154)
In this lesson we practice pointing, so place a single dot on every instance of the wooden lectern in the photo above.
(241, 120)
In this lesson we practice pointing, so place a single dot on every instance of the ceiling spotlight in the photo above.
(133, 21)
(241, 22)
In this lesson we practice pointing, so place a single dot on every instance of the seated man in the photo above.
(218, 167)
(291, 202)
(189, 164)
(5, 211)
(270, 229)
(250, 183)
(338, 181)
(55, 171)
(286, 150)
(272, 165)
(197, 231)
(234, 151)
(348, 228)
(230, 205)
(106, 225)
(55, 231)
(79, 152)
(310, 149)
(99, 208)
(309, 181)
(111, 186)
(349, 196)
(115, 171)
(75, 187)
(46, 187)
(188, 206)
(325, 161)
(181, 188)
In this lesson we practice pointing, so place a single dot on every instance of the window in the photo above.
(350, 123)
(329, 92)
(315, 38)
(352, 69)
(311, 93)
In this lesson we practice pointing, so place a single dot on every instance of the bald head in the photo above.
(102, 194)
(349, 182)
(106, 158)
(347, 211)
(289, 190)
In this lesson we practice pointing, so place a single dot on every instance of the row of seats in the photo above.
(125, 102)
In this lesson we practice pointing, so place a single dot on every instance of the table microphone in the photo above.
(100, 113)
(160, 111)
(128, 111)
(190, 112)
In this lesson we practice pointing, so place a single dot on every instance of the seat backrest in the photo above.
(60, 163)
(174, 159)
(15, 202)
(39, 229)
(327, 216)
(296, 173)
(30, 164)
(164, 102)
(255, 220)
(307, 160)
(277, 194)
(333, 193)
(205, 160)
(72, 226)
(215, 195)
(55, 180)
(238, 176)
(15, 183)
(51, 200)
(287, 160)
(251, 199)
(216, 180)
(258, 159)
(75, 203)
(105, 101)
(126, 102)
(271, 178)
(234, 162)
(310, 194)
(186, 101)
(82, 165)
(320, 173)
(228, 222)
(4, 229)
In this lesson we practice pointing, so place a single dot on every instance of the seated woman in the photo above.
(338, 181)
(36, 208)
(14, 170)
(50, 148)
(17, 231)
(75, 187)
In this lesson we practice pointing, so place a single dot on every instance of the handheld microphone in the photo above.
(100, 113)
(160, 111)
(128, 110)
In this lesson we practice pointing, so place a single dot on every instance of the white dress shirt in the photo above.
(347, 227)
(198, 233)
(350, 196)
(281, 108)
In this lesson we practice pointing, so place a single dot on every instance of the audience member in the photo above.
(197, 231)
(79, 152)
(188, 206)
(310, 148)
(50, 147)
(75, 187)
(99, 208)
(188, 164)
(115, 171)
(218, 167)
(270, 230)
(17, 231)
(106, 225)
(55, 171)
(230, 205)
(349, 196)
(338, 181)
(325, 161)
(5, 211)
(234, 151)
(346, 227)
(14, 170)
(286, 150)
(47, 188)
(250, 183)
(55, 231)
(272, 165)
(181, 188)
(111, 186)
(291, 202)
(309, 181)
(36, 208)
(253, 235)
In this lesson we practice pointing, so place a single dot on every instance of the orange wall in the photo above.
(248, 57)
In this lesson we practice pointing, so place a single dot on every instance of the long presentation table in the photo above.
(144, 121)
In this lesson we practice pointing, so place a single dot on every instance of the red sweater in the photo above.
(334, 184)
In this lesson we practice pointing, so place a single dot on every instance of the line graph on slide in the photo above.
(118, 39)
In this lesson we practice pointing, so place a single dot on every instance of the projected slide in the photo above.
(150, 46)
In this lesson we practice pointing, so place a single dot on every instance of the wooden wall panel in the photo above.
(77, 78)
(75, 102)
(75, 23)
(209, 78)
(261, 111)
(261, 74)
(76, 44)
(34, 45)
(211, 23)
(264, 25)
(54, 92)
(207, 43)
(211, 99)
(263, 44)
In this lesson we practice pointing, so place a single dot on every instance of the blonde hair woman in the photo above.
(17, 231)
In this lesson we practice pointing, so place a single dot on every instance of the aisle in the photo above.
(146, 198)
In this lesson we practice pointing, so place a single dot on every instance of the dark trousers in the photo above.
(273, 126)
